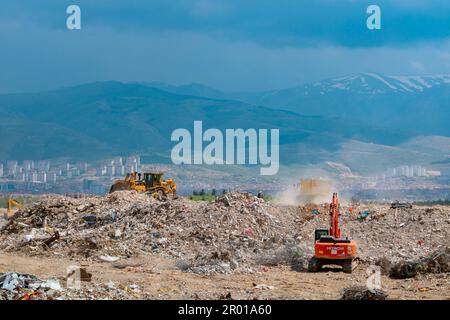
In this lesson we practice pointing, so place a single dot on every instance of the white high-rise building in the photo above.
(43, 165)
(28, 165)
(51, 177)
(119, 170)
(11, 166)
(42, 177)
(110, 170)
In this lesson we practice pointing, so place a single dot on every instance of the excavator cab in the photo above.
(319, 233)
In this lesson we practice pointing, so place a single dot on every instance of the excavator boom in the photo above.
(335, 231)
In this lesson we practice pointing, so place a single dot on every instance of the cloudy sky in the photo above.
(233, 45)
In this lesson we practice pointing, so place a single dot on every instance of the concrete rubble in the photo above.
(363, 293)
(238, 232)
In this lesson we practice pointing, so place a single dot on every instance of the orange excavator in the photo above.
(331, 248)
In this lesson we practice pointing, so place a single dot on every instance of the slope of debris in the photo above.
(237, 232)
(205, 237)
(393, 234)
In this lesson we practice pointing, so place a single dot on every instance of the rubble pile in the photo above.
(205, 237)
(436, 262)
(19, 286)
(235, 233)
(395, 235)
(363, 293)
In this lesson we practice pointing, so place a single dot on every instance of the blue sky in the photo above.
(231, 45)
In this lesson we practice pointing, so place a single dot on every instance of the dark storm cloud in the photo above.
(233, 45)
(271, 23)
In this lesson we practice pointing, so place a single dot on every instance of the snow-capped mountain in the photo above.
(376, 83)
(416, 103)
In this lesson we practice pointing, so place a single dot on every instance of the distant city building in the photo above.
(1, 170)
(93, 186)
(110, 170)
(119, 170)
(82, 167)
(43, 165)
(131, 168)
(19, 176)
(11, 167)
(100, 171)
(117, 161)
(42, 177)
(133, 163)
(72, 173)
(433, 173)
(28, 165)
(408, 171)
(51, 177)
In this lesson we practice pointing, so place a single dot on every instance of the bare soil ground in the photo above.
(158, 278)
(237, 247)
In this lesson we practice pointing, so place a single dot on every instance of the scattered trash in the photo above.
(363, 215)
(363, 293)
(111, 285)
(401, 205)
(108, 258)
(263, 287)
(20, 286)
(90, 219)
(403, 270)
(114, 215)
(28, 237)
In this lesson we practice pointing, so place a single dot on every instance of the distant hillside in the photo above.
(415, 103)
(97, 120)
(192, 89)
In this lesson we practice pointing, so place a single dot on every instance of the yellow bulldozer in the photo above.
(149, 182)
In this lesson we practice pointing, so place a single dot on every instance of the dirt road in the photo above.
(159, 279)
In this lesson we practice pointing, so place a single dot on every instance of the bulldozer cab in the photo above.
(152, 179)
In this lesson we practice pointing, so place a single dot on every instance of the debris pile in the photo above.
(363, 293)
(393, 234)
(206, 237)
(437, 262)
(238, 232)
(18, 286)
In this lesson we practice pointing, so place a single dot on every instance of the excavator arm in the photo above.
(13, 203)
(335, 231)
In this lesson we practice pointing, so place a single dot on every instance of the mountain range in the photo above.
(355, 120)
